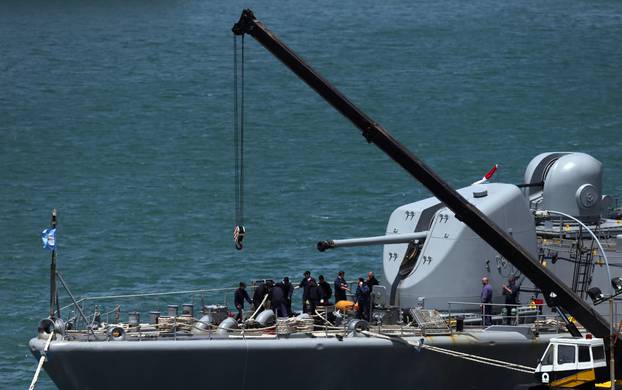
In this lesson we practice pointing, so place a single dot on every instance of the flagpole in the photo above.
(53, 292)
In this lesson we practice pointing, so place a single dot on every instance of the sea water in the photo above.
(119, 115)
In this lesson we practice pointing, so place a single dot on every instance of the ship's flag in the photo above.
(48, 236)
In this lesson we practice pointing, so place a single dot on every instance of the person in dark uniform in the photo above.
(510, 291)
(238, 298)
(288, 288)
(486, 299)
(325, 291)
(313, 296)
(304, 285)
(362, 298)
(371, 280)
(261, 291)
(341, 286)
(278, 300)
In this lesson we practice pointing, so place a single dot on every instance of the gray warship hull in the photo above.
(306, 363)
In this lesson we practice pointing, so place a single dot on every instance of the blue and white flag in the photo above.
(48, 236)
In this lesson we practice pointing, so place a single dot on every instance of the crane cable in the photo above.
(238, 143)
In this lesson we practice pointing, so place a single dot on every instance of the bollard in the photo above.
(187, 310)
(133, 318)
(154, 317)
(172, 310)
(459, 323)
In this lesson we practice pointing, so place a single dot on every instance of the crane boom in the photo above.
(555, 291)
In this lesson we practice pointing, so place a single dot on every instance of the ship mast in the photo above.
(53, 289)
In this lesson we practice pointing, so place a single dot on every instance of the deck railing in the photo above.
(474, 314)
(84, 309)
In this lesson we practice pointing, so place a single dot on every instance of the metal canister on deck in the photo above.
(459, 323)
(227, 326)
(154, 316)
(133, 318)
(187, 310)
(173, 310)
(218, 313)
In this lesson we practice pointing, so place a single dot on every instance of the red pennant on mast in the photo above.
(487, 176)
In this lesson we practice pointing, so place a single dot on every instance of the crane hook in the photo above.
(238, 236)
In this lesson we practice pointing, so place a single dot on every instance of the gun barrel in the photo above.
(377, 240)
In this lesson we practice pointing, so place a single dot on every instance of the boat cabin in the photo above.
(571, 362)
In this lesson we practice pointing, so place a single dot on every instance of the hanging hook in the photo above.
(238, 236)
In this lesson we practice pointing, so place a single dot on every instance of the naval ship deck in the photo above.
(416, 346)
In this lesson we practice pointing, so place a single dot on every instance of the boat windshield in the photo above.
(547, 360)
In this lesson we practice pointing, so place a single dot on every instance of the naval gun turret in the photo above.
(567, 182)
(431, 256)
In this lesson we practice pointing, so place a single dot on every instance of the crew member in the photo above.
(371, 280)
(304, 285)
(325, 291)
(238, 298)
(362, 298)
(511, 297)
(313, 295)
(277, 300)
(486, 299)
(288, 288)
(341, 287)
(261, 291)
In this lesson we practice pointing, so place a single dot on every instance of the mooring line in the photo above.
(41, 361)
(461, 355)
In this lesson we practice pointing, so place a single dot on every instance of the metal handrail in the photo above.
(138, 295)
(496, 304)
(516, 317)
(81, 303)
(154, 294)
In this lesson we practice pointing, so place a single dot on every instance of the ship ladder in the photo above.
(460, 355)
(41, 361)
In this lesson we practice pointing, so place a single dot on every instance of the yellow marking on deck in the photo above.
(575, 380)
(607, 385)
